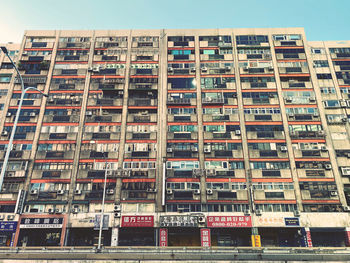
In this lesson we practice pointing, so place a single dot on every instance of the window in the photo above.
(320, 64)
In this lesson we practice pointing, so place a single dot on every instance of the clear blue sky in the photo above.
(322, 19)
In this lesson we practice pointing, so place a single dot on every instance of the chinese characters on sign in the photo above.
(179, 221)
(163, 237)
(229, 221)
(271, 221)
(137, 221)
(41, 222)
(291, 221)
(8, 226)
(205, 237)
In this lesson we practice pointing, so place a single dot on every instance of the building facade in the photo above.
(220, 137)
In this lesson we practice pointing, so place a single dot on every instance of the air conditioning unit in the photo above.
(60, 192)
(343, 104)
(291, 115)
(89, 69)
(258, 212)
(204, 69)
(51, 99)
(96, 69)
(88, 113)
(328, 166)
(316, 114)
(238, 132)
(58, 211)
(344, 119)
(34, 192)
(346, 208)
(10, 217)
(2, 217)
(151, 190)
(51, 211)
(32, 114)
(169, 150)
(207, 99)
(321, 133)
(210, 172)
(9, 114)
(324, 148)
(170, 99)
(289, 99)
(246, 68)
(109, 172)
(209, 191)
(197, 192)
(117, 214)
(246, 212)
(193, 69)
(169, 191)
(194, 149)
(170, 69)
(228, 68)
(75, 210)
(117, 208)
(4, 133)
(312, 99)
(284, 149)
(207, 149)
(77, 192)
(201, 219)
(348, 155)
(234, 95)
(296, 213)
(333, 193)
(110, 191)
(345, 171)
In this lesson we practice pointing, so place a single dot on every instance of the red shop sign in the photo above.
(229, 221)
(163, 237)
(137, 221)
(205, 237)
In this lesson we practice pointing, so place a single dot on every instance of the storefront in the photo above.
(181, 230)
(7, 233)
(41, 231)
(328, 237)
(230, 230)
(84, 230)
(136, 231)
(279, 231)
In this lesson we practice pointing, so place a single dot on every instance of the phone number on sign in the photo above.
(228, 224)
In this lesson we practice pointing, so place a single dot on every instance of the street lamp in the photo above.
(9, 147)
(103, 202)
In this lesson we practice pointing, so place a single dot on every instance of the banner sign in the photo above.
(291, 221)
(97, 222)
(163, 237)
(205, 237)
(229, 221)
(179, 221)
(51, 222)
(137, 221)
(8, 226)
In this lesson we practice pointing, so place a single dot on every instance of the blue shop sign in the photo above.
(8, 226)
(291, 221)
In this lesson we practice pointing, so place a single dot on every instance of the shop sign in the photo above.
(8, 226)
(179, 221)
(20, 201)
(97, 222)
(137, 221)
(229, 221)
(50, 222)
(205, 237)
(270, 221)
(163, 237)
(291, 221)
(256, 241)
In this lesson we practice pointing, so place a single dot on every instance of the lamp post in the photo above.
(103, 203)
(24, 90)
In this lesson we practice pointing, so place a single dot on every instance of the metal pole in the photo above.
(9, 147)
(103, 208)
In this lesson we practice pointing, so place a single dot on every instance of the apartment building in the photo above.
(219, 137)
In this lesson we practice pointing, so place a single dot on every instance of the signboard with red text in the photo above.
(137, 221)
(229, 221)
(205, 237)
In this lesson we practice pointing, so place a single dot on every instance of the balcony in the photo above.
(140, 154)
(277, 195)
(82, 45)
(273, 99)
(315, 173)
(76, 101)
(61, 118)
(182, 118)
(141, 136)
(55, 155)
(258, 85)
(265, 135)
(228, 195)
(142, 118)
(212, 101)
(77, 58)
(58, 136)
(26, 102)
(222, 135)
(136, 101)
(182, 135)
(98, 195)
(315, 153)
(105, 101)
(293, 70)
(143, 86)
(137, 195)
(117, 117)
(183, 195)
(283, 173)
(209, 153)
(307, 134)
(267, 154)
(40, 44)
(92, 154)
